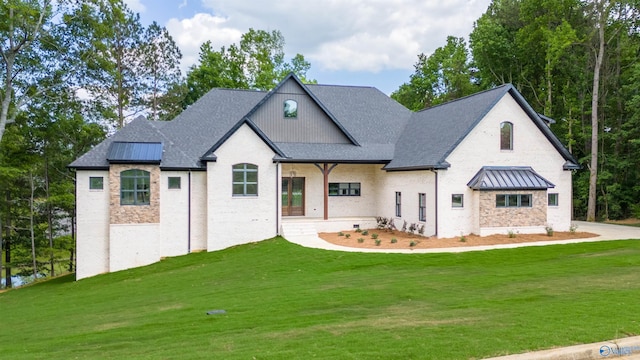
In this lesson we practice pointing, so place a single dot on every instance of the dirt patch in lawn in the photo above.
(401, 240)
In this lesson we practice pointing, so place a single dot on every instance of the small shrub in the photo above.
(340, 233)
(378, 242)
(549, 230)
(347, 235)
(365, 232)
(374, 236)
(391, 224)
(512, 234)
(360, 240)
(358, 230)
(381, 222)
(421, 230)
(573, 228)
(412, 228)
(463, 238)
(404, 226)
(413, 243)
(394, 240)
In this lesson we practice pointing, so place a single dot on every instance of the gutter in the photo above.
(436, 212)
(278, 198)
(189, 215)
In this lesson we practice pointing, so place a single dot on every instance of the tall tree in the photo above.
(108, 36)
(444, 75)
(257, 62)
(160, 66)
(22, 33)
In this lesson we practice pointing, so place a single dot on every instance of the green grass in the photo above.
(283, 301)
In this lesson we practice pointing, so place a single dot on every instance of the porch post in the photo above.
(326, 191)
(325, 169)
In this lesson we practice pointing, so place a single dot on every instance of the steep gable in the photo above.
(312, 123)
(432, 134)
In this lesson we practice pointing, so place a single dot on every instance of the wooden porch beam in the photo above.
(325, 169)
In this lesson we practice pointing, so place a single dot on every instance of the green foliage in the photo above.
(445, 75)
(365, 232)
(394, 240)
(360, 240)
(257, 62)
(374, 236)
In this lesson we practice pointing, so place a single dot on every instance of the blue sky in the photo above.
(348, 42)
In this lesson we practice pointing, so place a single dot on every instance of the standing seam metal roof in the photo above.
(508, 178)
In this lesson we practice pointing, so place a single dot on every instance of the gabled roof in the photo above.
(432, 134)
(379, 129)
(508, 178)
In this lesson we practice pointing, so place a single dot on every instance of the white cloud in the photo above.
(353, 35)
(189, 34)
(135, 5)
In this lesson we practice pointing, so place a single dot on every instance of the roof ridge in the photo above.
(507, 86)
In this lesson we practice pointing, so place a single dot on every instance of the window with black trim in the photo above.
(552, 199)
(344, 189)
(290, 109)
(514, 200)
(457, 200)
(135, 187)
(245, 180)
(422, 207)
(175, 182)
(398, 204)
(506, 136)
(96, 183)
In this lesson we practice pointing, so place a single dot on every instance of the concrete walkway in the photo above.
(605, 232)
(626, 348)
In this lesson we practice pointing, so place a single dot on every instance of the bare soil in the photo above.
(405, 240)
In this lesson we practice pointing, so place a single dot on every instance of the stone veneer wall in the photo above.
(492, 216)
(134, 214)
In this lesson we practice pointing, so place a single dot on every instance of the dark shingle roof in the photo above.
(432, 134)
(382, 130)
(508, 178)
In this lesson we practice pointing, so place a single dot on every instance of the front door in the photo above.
(293, 196)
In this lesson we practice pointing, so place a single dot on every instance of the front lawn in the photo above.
(282, 301)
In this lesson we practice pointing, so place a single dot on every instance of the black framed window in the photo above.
(290, 109)
(135, 187)
(245, 180)
(96, 183)
(175, 182)
(422, 207)
(344, 189)
(398, 204)
(506, 136)
(457, 200)
(552, 199)
(514, 200)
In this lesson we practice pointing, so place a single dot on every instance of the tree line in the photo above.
(575, 61)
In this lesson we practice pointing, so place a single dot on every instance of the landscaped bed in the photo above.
(395, 239)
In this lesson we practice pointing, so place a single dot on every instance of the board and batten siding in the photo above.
(312, 125)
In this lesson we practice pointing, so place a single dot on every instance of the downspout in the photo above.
(278, 198)
(436, 199)
(189, 215)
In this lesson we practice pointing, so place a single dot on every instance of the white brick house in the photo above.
(237, 165)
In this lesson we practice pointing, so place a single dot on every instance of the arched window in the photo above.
(290, 108)
(506, 136)
(134, 187)
(245, 180)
